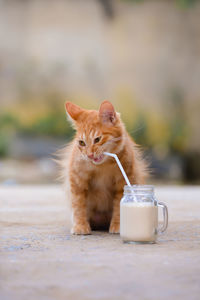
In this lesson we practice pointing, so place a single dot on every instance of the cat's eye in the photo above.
(82, 143)
(97, 139)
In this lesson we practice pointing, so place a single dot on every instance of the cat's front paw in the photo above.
(81, 229)
(114, 227)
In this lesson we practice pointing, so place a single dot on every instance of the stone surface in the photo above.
(39, 259)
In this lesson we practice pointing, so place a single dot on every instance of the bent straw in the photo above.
(120, 166)
(122, 170)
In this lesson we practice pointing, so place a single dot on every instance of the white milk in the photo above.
(138, 221)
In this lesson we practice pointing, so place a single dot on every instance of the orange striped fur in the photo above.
(93, 181)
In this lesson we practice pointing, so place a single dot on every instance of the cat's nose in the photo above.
(91, 156)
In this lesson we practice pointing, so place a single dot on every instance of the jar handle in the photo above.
(165, 217)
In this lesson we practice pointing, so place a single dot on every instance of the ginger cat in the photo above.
(95, 181)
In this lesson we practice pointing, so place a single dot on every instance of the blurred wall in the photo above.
(143, 54)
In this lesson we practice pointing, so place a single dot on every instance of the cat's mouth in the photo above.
(98, 159)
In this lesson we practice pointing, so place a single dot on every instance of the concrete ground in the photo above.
(39, 259)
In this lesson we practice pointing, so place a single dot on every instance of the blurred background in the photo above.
(143, 56)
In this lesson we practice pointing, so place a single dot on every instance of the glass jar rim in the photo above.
(139, 187)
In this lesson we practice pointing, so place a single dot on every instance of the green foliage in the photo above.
(51, 124)
(177, 121)
(148, 127)
(47, 118)
(185, 3)
(4, 145)
(8, 122)
(180, 3)
(8, 125)
(139, 131)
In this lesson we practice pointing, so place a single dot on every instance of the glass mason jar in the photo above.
(139, 215)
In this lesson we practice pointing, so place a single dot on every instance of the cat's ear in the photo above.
(73, 110)
(107, 113)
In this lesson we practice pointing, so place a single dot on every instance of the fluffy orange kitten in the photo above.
(95, 181)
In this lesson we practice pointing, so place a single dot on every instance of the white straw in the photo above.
(120, 166)
(123, 172)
